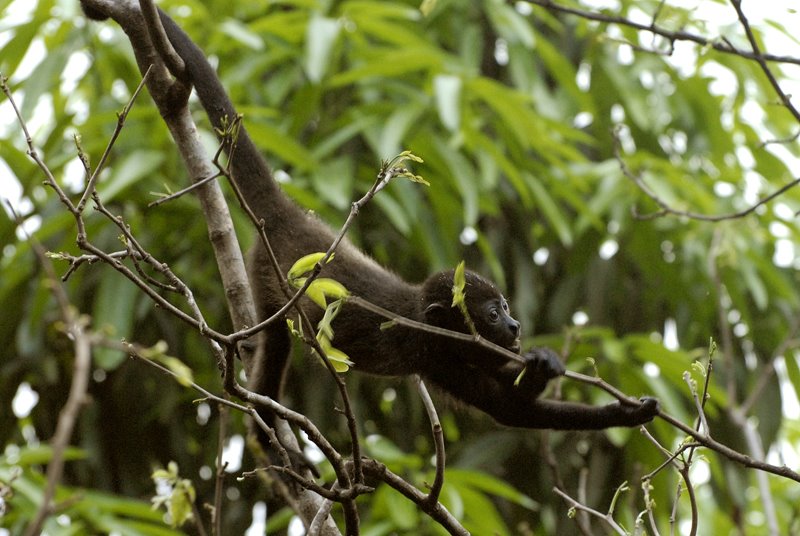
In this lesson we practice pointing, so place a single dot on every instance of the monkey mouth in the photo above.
(515, 346)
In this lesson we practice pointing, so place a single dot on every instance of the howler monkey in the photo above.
(466, 371)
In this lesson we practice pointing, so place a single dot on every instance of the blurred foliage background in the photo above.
(514, 110)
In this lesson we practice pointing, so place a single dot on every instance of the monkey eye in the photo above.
(505, 306)
(494, 316)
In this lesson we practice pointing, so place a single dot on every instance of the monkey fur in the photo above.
(468, 372)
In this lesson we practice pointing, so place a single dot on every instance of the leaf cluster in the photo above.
(524, 120)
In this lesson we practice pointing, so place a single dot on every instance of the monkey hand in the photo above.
(543, 363)
(647, 409)
(541, 366)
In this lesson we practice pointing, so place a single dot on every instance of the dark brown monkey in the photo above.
(466, 371)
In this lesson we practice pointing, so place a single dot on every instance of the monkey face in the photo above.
(493, 320)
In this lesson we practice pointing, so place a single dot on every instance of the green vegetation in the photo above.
(568, 159)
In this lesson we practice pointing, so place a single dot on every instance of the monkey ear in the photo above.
(435, 310)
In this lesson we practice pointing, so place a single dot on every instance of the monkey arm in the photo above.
(559, 415)
(519, 405)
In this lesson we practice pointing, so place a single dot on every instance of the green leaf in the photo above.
(459, 283)
(158, 353)
(512, 107)
(385, 22)
(384, 449)
(551, 210)
(322, 288)
(333, 180)
(339, 360)
(42, 454)
(512, 26)
(16, 47)
(755, 285)
(482, 515)
(133, 168)
(521, 375)
(404, 513)
(275, 142)
(242, 34)
(41, 80)
(791, 360)
(321, 35)
(462, 173)
(394, 212)
(391, 64)
(490, 484)
(477, 141)
(395, 129)
(447, 90)
(330, 287)
(302, 266)
(427, 7)
(314, 294)
(182, 372)
(113, 313)
(177, 498)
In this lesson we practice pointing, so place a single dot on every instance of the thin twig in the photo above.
(762, 62)
(121, 117)
(672, 36)
(701, 438)
(438, 440)
(666, 209)
(583, 508)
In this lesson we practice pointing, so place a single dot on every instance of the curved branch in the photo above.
(671, 35)
(438, 439)
(702, 438)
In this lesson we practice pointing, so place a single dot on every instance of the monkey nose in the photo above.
(513, 326)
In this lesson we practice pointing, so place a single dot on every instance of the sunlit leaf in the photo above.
(303, 265)
(320, 41)
(447, 89)
(459, 284)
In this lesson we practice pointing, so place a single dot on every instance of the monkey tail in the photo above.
(250, 170)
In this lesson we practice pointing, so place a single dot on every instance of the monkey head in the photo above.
(486, 306)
